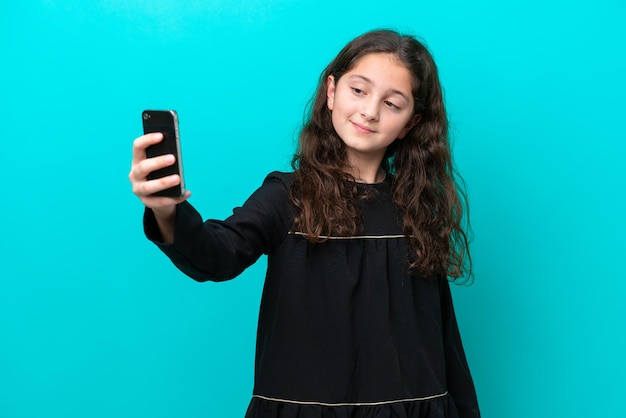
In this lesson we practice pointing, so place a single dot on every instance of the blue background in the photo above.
(95, 322)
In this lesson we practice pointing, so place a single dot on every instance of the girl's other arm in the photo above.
(458, 377)
(164, 208)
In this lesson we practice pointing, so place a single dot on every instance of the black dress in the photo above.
(343, 330)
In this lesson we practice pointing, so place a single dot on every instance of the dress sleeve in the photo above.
(220, 250)
(458, 378)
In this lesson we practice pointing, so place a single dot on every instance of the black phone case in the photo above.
(166, 122)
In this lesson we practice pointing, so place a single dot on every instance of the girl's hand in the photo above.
(144, 188)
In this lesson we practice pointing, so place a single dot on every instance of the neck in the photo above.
(376, 175)
(366, 168)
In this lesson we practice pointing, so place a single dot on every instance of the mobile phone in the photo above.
(166, 122)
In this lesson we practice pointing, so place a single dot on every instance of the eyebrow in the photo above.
(367, 80)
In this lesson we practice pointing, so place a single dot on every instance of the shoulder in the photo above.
(279, 177)
(273, 193)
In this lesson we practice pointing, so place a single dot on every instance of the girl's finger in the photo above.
(141, 143)
(158, 201)
(140, 170)
(149, 187)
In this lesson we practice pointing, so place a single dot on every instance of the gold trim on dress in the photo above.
(425, 398)
(354, 236)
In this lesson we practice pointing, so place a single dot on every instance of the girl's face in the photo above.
(372, 106)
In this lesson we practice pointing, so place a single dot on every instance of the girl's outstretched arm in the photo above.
(220, 250)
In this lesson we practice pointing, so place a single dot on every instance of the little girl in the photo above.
(356, 317)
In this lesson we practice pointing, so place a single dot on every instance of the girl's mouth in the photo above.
(361, 128)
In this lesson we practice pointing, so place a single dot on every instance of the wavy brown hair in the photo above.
(426, 187)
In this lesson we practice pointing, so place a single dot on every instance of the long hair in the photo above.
(426, 187)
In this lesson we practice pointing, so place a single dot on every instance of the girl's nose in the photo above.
(369, 110)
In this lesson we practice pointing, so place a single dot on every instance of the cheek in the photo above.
(397, 126)
(396, 123)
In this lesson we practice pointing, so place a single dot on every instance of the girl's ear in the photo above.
(409, 125)
(330, 92)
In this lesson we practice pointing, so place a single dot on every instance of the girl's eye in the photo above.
(391, 105)
(357, 91)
